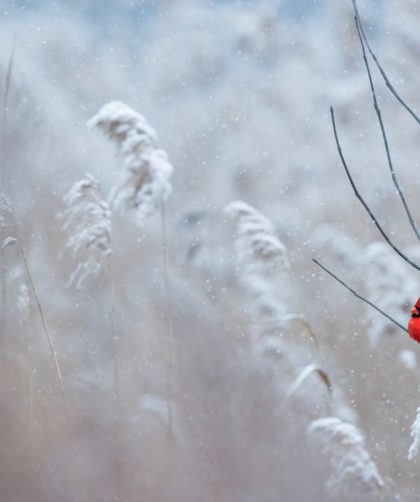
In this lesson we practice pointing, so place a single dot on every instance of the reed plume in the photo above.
(352, 467)
(146, 180)
(415, 434)
(257, 246)
(144, 189)
(87, 217)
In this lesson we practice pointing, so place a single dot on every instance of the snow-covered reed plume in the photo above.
(257, 246)
(415, 434)
(260, 255)
(5, 212)
(6, 226)
(390, 285)
(88, 219)
(146, 181)
(352, 467)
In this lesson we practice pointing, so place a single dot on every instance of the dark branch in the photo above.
(382, 126)
(364, 204)
(360, 297)
(382, 71)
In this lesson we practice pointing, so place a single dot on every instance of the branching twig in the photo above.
(382, 126)
(382, 71)
(360, 297)
(363, 202)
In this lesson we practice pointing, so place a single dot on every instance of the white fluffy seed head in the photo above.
(146, 181)
(255, 239)
(5, 211)
(87, 218)
(352, 467)
(415, 434)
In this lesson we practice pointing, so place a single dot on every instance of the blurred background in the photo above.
(239, 95)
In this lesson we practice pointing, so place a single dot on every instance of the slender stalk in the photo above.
(7, 86)
(169, 319)
(113, 336)
(41, 314)
(6, 91)
(116, 388)
(360, 297)
(363, 202)
(383, 132)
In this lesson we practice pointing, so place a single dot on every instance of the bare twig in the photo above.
(382, 71)
(360, 297)
(363, 202)
(382, 126)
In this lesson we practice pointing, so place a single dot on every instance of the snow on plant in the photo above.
(415, 434)
(352, 467)
(5, 215)
(259, 253)
(146, 181)
(258, 250)
(256, 244)
(87, 217)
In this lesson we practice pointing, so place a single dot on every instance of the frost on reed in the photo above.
(415, 434)
(256, 243)
(146, 181)
(258, 251)
(5, 217)
(352, 467)
(87, 218)
(260, 254)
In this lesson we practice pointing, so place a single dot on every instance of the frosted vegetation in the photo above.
(165, 334)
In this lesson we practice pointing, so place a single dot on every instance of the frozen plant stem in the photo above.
(169, 319)
(116, 397)
(42, 316)
(7, 85)
(5, 99)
